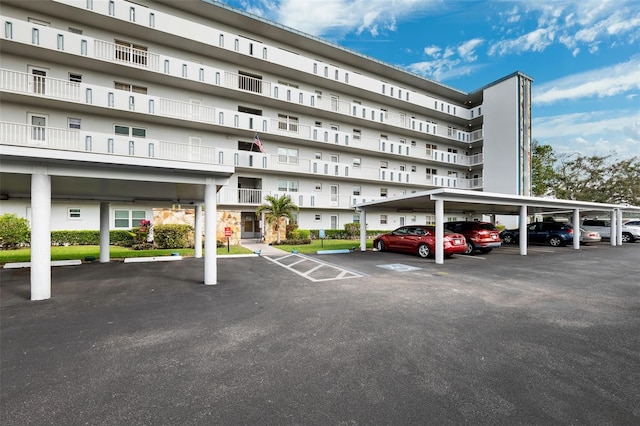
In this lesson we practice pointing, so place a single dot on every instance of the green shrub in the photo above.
(296, 242)
(75, 238)
(352, 230)
(14, 231)
(121, 237)
(172, 236)
(299, 234)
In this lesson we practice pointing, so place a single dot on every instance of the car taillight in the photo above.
(570, 230)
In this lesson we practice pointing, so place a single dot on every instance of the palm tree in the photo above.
(277, 208)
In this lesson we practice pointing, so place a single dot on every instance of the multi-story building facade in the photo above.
(189, 84)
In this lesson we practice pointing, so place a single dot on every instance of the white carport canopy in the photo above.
(475, 202)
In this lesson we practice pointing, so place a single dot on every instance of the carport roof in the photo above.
(459, 200)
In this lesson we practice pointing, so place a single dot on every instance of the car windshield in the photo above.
(487, 226)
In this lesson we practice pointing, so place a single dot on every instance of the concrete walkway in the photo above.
(264, 249)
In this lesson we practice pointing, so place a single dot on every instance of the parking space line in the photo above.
(471, 257)
(329, 271)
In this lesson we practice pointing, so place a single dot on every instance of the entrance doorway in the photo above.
(250, 225)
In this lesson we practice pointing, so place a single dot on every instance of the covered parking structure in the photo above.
(143, 181)
(474, 202)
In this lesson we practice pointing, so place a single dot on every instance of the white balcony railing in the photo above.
(24, 135)
(54, 39)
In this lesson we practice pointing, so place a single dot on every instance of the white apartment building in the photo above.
(128, 106)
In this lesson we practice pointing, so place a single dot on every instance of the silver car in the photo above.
(587, 237)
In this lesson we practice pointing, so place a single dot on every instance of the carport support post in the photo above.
(104, 233)
(40, 234)
(576, 229)
(363, 230)
(619, 236)
(523, 230)
(210, 247)
(439, 232)
(197, 221)
(614, 228)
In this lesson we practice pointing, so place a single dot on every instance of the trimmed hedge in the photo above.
(172, 236)
(342, 234)
(85, 238)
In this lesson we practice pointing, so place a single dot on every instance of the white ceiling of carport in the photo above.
(476, 202)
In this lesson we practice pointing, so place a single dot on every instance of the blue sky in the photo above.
(584, 56)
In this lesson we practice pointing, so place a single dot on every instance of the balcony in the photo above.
(52, 139)
(75, 44)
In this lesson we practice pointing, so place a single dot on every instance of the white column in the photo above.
(439, 232)
(210, 262)
(197, 221)
(619, 236)
(614, 228)
(104, 233)
(523, 231)
(363, 230)
(576, 229)
(40, 235)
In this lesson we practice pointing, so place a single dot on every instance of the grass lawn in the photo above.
(325, 245)
(115, 252)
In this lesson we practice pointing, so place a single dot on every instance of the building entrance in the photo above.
(250, 225)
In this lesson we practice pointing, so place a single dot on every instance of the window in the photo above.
(432, 171)
(318, 156)
(287, 122)
(130, 87)
(357, 134)
(318, 186)
(288, 185)
(73, 214)
(383, 192)
(38, 22)
(383, 219)
(129, 218)
(356, 218)
(74, 123)
(75, 78)
(250, 82)
(356, 162)
(318, 217)
(384, 164)
(75, 30)
(288, 155)
(414, 168)
(356, 190)
(130, 131)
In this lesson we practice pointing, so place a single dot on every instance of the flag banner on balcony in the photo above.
(256, 142)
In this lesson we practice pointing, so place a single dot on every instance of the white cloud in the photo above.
(450, 62)
(335, 18)
(600, 132)
(534, 41)
(603, 82)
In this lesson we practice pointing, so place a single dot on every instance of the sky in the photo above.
(584, 56)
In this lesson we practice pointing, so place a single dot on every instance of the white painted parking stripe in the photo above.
(340, 271)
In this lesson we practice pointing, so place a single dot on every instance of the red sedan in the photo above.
(421, 240)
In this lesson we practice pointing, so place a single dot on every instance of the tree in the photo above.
(543, 160)
(277, 208)
(597, 178)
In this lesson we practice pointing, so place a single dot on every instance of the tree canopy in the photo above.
(601, 179)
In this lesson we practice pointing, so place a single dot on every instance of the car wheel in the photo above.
(627, 238)
(471, 249)
(555, 241)
(485, 250)
(508, 239)
(424, 251)
(380, 245)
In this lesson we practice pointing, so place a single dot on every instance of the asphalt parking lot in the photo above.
(344, 339)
